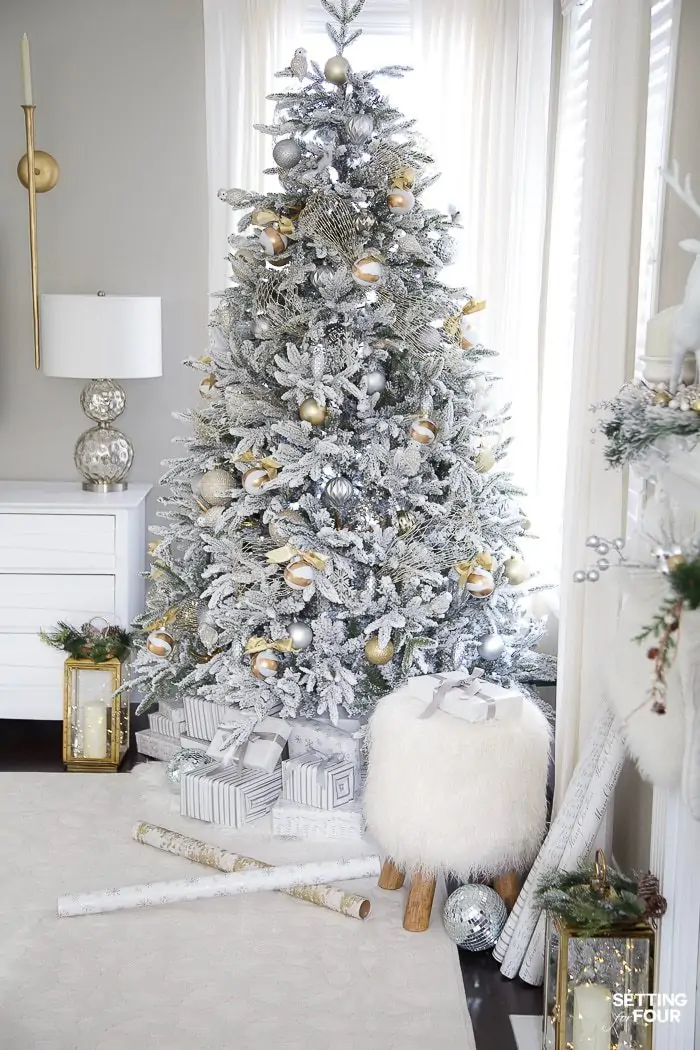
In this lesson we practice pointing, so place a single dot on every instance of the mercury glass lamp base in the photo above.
(103, 455)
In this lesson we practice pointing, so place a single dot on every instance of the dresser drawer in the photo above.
(57, 542)
(34, 601)
(31, 678)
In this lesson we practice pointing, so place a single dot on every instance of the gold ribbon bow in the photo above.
(269, 463)
(282, 554)
(474, 306)
(266, 217)
(258, 644)
(164, 621)
(463, 570)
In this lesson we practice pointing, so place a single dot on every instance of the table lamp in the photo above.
(101, 338)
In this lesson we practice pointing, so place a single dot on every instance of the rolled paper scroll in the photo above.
(350, 904)
(283, 877)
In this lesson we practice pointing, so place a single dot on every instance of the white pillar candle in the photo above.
(95, 729)
(592, 1017)
(26, 71)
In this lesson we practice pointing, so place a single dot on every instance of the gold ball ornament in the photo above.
(377, 655)
(662, 397)
(254, 480)
(484, 460)
(424, 431)
(46, 171)
(207, 386)
(479, 583)
(367, 271)
(273, 242)
(516, 571)
(277, 530)
(400, 202)
(215, 487)
(674, 560)
(336, 70)
(160, 643)
(265, 664)
(696, 406)
(311, 412)
(299, 574)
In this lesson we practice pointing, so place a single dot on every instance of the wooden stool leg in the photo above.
(507, 887)
(390, 877)
(416, 918)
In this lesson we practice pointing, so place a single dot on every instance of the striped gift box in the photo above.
(165, 726)
(155, 745)
(228, 795)
(319, 780)
(172, 709)
(202, 717)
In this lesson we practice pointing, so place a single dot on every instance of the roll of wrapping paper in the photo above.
(254, 880)
(330, 897)
(562, 827)
(605, 774)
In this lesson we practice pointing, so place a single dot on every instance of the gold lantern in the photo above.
(95, 716)
(597, 986)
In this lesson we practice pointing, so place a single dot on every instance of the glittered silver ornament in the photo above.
(287, 153)
(336, 70)
(338, 492)
(301, 634)
(215, 486)
(491, 647)
(375, 381)
(185, 760)
(360, 128)
(474, 917)
(206, 626)
(365, 222)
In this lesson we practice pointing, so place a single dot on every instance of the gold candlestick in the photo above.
(38, 172)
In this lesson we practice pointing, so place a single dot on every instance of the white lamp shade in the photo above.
(101, 336)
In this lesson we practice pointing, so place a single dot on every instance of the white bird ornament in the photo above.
(299, 64)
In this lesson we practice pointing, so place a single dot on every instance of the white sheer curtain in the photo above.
(245, 41)
(602, 347)
(485, 67)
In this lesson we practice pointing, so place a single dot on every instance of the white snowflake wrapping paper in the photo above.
(228, 795)
(295, 820)
(312, 734)
(319, 780)
(155, 745)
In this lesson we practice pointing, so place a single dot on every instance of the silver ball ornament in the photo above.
(360, 128)
(602, 547)
(618, 543)
(491, 647)
(183, 761)
(592, 575)
(338, 492)
(579, 576)
(336, 70)
(301, 634)
(375, 381)
(603, 564)
(287, 153)
(593, 541)
(262, 327)
(474, 917)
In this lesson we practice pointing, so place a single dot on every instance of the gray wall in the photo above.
(633, 797)
(119, 88)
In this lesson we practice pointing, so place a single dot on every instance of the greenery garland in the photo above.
(640, 416)
(593, 904)
(89, 642)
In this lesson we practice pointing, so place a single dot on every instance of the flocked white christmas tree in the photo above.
(339, 521)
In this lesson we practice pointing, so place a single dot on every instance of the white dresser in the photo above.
(67, 555)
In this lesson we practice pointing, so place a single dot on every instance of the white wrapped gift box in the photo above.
(165, 726)
(228, 795)
(172, 709)
(465, 696)
(193, 743)
(314, 734)
(262, 749)
(155, 745)
(327, 781)
(295, 820)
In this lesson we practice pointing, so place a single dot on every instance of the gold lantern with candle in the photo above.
(599, 973)
(95, 716)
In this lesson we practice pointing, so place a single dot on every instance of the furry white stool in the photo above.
(444, 794)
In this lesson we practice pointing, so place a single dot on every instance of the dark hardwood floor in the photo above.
(27, 746)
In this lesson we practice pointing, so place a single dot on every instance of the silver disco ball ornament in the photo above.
(185, 761)
(491, 647)
(474, 917)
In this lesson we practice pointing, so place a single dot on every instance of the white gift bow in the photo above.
(232, 749)
(469, 685)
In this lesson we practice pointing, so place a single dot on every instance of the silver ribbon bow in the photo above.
(321, 764)
(469, 686)
(233, 748)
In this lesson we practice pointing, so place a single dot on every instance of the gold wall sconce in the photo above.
(38, 172)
